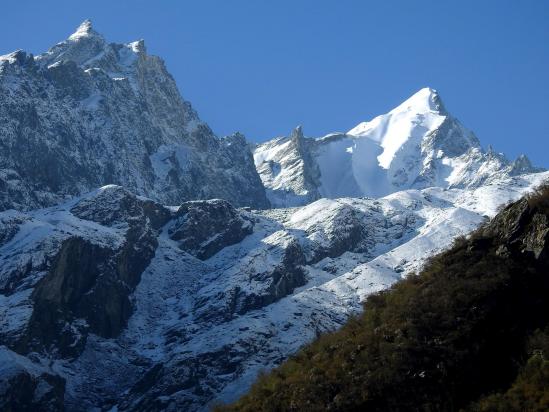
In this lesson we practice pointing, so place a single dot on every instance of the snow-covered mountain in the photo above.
(89, 113)
(416, 145)
(112, 299)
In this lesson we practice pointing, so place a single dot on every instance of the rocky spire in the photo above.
(424, 100)
(523, 165)
(85, 30)
(297, 133)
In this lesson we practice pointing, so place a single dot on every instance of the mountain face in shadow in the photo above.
(468, 332)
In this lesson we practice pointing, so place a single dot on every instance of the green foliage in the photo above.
(438, 341)
(530, 391)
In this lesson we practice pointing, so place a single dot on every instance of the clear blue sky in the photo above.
(262, 67)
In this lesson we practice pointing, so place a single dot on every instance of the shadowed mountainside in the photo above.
(469, 332)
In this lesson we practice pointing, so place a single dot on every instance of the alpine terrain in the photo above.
(88, 113)
(146, 264)
(416, 145)
(469, 333)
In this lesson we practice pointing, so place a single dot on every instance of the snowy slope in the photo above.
(201, 326)
(89, 113)
(416, 145)
(110, 300)
(287, 171)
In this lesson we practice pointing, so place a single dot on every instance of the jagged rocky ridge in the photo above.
(454, 337)
(89, 113)
(416, 145)
(113, 299)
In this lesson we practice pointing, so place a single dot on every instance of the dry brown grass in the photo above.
(539, 198)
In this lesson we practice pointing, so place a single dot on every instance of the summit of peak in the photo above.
(424, 100)
(427, 91)
(88, 47)
(522, 164)
(297, 133)
(85, 30)
(138, 46)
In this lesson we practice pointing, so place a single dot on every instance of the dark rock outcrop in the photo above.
(523, 229)
(87, 290)
(203, 228)
(345, 231)
(87, 286)
(26, 393)
(258, 289)
(114, 205)
(279, 282)
(27, 390)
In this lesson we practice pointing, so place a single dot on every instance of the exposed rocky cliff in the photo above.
(458, 332)
(89, 113)
(113, 299)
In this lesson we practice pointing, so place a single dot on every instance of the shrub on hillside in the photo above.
(437, 341)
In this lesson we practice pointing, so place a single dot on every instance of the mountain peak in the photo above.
(297, 133)
(85, 30)
(81, 46)
(404, 128)
(522, 165)
(418, 144)
(424, 100)
(138, 46)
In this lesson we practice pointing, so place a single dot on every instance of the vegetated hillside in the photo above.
(470, 332)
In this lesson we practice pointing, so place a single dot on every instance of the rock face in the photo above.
(203, 228)
(26, 387)
(288, 170)
(142, 306)
(116, 206)
(440, 340)
(89, 113)
(416, 145)
(84, 287)
(523, 230)
(110, 299)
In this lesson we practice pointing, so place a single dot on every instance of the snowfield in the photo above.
(112, 300)
(209, 326)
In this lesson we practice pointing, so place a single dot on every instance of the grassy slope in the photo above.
(457, 336)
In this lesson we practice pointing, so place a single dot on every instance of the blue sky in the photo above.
(262, 67)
